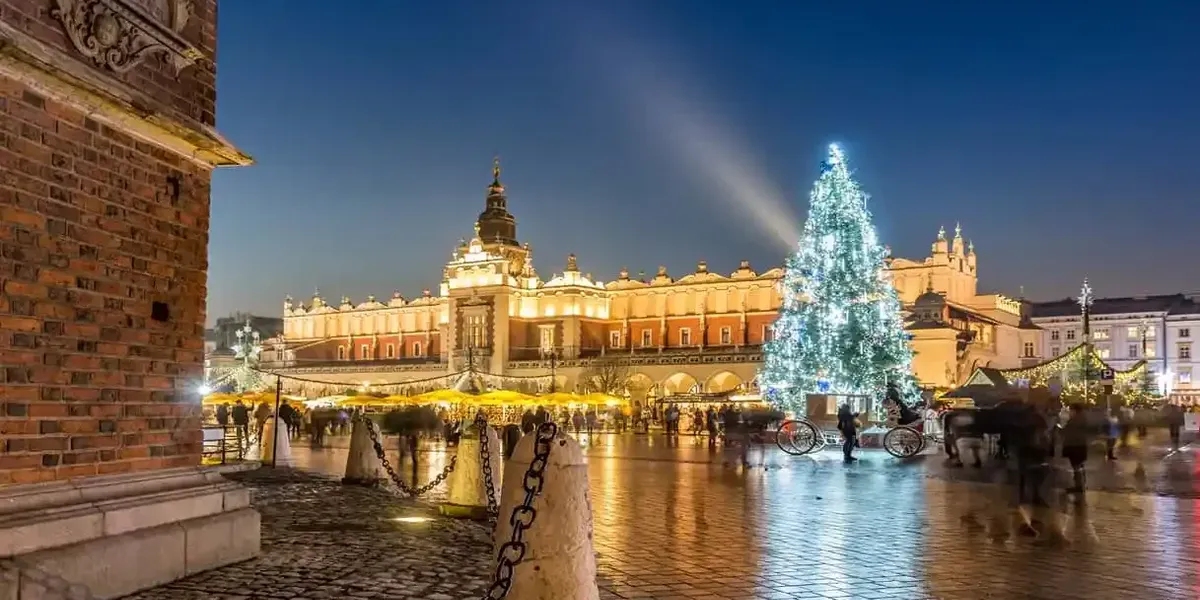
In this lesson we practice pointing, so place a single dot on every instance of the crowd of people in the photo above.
(1028, 433)
(249, 420)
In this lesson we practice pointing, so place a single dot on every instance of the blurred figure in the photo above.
(591, 419)
(528, 422)
(1173, 415)
(577, 421)
(261, 414)
(1113, 429)
(223, 415)
(1075, 433)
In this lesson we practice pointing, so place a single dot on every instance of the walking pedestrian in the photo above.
(241, 423)
(1113, 429)
(1075, 434)
(590, 419)
(848, 426)
(223, 415)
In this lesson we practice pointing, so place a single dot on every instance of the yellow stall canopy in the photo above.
(248, 399)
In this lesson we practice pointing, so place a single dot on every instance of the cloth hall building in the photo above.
(702, 332)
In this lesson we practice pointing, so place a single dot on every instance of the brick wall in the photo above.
(191, 96)
(103, 260)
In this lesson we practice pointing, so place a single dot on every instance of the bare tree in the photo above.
(607, 375)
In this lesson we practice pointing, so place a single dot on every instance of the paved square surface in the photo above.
(686, 521)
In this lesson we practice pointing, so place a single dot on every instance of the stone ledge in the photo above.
(108, 506)
(114, 566)
(20, 498)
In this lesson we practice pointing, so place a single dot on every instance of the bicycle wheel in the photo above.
(797, 437)
(903, 441)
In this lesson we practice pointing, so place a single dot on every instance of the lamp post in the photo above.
(1085, 305)
(248, 349)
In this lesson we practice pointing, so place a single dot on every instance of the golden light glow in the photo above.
(412, 519)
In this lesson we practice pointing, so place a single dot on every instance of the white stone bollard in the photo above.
(467, 497)
(363, 466)
(559, 560)
(275, 444)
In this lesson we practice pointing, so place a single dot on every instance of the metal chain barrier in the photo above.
(55, 587)
(485, 457)
(396, 479)
(523, 515)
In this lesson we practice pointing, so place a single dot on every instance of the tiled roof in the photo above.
(1169, 303)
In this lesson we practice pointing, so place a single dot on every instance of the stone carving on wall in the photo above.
(119, 34)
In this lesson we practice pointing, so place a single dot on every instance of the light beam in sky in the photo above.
(697, 141)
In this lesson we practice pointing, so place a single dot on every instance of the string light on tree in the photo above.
(839, 329)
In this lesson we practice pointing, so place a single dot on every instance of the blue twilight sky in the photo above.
(645, 132)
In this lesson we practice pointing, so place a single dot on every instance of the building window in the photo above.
(1185, 375)
(1133, 351)
(726, 336)
(1103, 352)
(647, 338)
(416, 348)
(1185, 332)
(1054, 335)
(685, 337)
(341, 353)
(1054, 351)
(546, 339)
(768, 333)
(475, 331)
(1132, 332)
(364, 352)
(1100, 334)
(1150, 351)
(1149, 333)
(1070, 335)
(391, 351)
(1185, 350)
(1028, 349)
(614, 339)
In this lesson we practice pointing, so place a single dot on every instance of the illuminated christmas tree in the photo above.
(839, 329)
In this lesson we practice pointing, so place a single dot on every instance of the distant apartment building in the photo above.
(1159, 329)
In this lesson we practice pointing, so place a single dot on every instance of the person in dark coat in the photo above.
(241, 422)
(528, 422)
(223, 415)
(847, 424)
(1075, 438)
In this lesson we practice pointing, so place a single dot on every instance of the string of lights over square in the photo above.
(840, 329)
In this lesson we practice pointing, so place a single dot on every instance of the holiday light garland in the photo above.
(1069, 367)
(308, 386)
(839, 329)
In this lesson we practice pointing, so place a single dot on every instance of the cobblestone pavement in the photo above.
(687, 522)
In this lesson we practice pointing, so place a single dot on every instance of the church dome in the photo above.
(930, 299)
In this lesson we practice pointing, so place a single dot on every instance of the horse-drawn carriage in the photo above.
(902, 439)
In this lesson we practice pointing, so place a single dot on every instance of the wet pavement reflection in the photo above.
(683, 520)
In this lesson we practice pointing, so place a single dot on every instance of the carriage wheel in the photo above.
(797, 437)
(903, 441)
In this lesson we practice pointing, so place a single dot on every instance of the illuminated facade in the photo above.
(702, 332)
(1125, 331)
